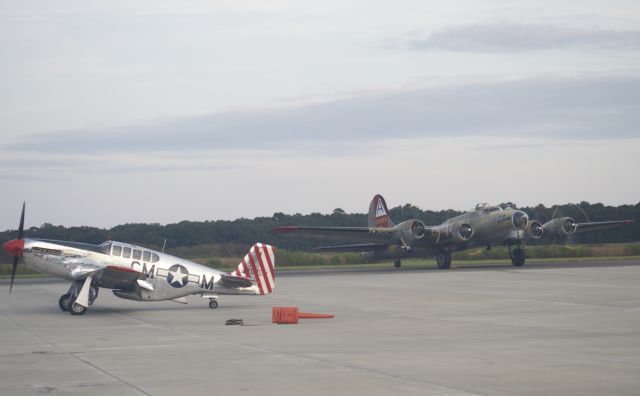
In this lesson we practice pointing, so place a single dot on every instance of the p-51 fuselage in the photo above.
(137, 273)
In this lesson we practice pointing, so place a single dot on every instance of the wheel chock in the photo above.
(290, 315)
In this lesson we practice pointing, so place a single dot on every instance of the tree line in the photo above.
(242, 232)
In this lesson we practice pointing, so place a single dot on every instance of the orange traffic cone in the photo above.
(290, 315)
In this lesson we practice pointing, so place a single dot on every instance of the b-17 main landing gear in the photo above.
(517, 256)
(443, 259)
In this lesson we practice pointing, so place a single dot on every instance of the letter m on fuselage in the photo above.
(149, 273)
(207, 285)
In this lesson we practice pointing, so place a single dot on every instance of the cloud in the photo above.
(514, 37)
(586, 107)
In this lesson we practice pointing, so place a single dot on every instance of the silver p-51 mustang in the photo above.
(137, 273)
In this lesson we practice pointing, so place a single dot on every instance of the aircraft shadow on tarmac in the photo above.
(472, 267)
(109, 309)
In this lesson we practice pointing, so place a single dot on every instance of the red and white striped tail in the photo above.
(259, 265)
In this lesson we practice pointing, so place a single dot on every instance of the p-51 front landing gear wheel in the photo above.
(63, 302)
(213, 304)
(77, 309)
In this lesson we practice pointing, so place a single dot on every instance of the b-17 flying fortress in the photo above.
(485, 226)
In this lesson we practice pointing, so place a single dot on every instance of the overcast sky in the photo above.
(161, 111)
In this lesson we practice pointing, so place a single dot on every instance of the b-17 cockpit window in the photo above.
(491, 209)
(146, 256)
(155, 258)
(126, 252)
(117, 250)
(137, 254)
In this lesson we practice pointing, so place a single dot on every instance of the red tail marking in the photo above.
(271, 269)
(245, 268)
(264, 277)
(255, 273)
(381, 215)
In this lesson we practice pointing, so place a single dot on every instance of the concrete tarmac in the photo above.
(502, 331)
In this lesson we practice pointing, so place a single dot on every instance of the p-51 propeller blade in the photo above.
(14, 247)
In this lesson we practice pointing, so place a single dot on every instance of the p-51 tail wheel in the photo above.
(213, 304)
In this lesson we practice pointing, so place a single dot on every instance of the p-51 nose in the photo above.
(14, 247)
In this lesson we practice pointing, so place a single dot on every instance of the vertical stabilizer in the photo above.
(379, 213)
(259, 265)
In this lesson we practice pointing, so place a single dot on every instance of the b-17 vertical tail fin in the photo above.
(379, 213)
(259, 265)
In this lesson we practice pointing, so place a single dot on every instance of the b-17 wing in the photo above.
(356, 233)
(565, 226)
(600, 225)
(359, 247)
(408, 234)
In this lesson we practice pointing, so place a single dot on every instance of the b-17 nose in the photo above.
(520, 219)
(14, 247)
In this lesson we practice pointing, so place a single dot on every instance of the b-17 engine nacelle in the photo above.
(561, 226)
(534, 229)
(411, 231)
(461, 232)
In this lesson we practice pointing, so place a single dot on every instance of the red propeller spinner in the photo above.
(14, 247)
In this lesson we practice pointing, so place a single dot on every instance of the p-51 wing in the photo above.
(120, 278)
(110, 277)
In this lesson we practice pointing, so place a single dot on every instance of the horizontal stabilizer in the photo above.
(231, 281)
